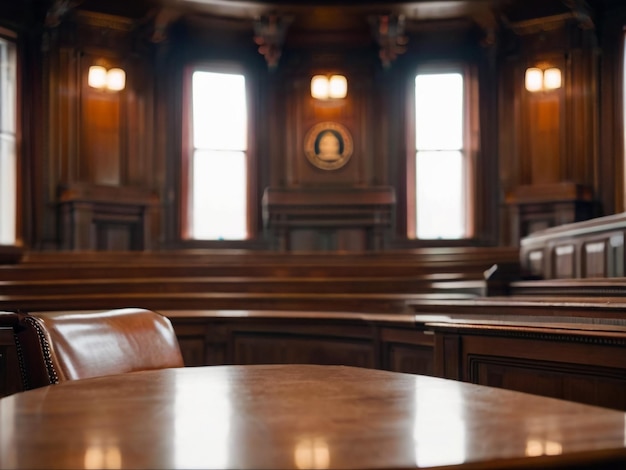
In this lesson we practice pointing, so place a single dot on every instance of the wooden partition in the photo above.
(572, 361)
(560, 332)
(593, 248)
(570, 350)
(380, 341)
(422, 311)
(239, 307)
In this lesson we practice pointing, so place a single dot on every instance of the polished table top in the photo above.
(298, 416)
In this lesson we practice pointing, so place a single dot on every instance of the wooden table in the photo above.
(299, 416)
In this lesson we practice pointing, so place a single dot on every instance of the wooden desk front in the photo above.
(300, 416)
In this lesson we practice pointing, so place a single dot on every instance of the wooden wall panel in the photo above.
(594, 258)
(543, 149)
(593, 248)
(410, 359)
(140, 168)
(210, 340)
(354, 113)
(553, 134)
(573, 135)
(581, 155)
(100, 145)
(407, 350)
(564, 261)
(590, 369)
(544, 377)
(281, 349)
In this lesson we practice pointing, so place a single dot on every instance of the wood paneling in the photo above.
(106, 217)
(530, 356)
(354, 113)
(257, 337)
(275, 348)
(407, 350)
(347, 219)
(100, 143)
(549, 378)
(74, 134)
(593, 248)
(543, 151)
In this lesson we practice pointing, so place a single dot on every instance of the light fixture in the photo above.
(97, 76)
(551, 78)
(113, 79)
(333, 87)
(116, 79)
(542, 79)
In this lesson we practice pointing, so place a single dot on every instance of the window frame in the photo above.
(471, 143)
(187, 151)
(10, 253)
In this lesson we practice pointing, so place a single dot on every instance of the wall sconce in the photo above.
(333, 87)
(113, 79)
(543, 79)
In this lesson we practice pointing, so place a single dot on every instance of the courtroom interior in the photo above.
(426, 187)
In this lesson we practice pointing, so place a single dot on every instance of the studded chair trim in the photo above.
(46, 351)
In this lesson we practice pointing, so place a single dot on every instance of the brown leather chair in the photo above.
(55, 347)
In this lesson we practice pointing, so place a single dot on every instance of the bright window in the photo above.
(218, 165)
(8, 150)
(440, 157)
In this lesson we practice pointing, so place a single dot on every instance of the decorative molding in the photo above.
(102, 20)
(580, 14)
(474, 361)
(162, 21)
(555, 334)
(58, 11)
(318, 155)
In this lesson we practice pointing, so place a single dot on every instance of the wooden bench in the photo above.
(369, 282)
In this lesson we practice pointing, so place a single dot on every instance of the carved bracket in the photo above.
(388, 31)
(58, 10)
(269, 34)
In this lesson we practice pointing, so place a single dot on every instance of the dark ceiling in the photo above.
(324, 15)
(311, 18)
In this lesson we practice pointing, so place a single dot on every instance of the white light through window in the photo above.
(439, 156)
(8, 149)
(219, 178)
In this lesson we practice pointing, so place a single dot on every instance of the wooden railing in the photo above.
(560, 331)
(593, 248)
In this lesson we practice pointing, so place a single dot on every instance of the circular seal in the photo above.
(328, 145)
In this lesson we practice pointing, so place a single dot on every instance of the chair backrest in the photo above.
(55, 347)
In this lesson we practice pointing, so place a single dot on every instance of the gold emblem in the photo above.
(328, 145)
